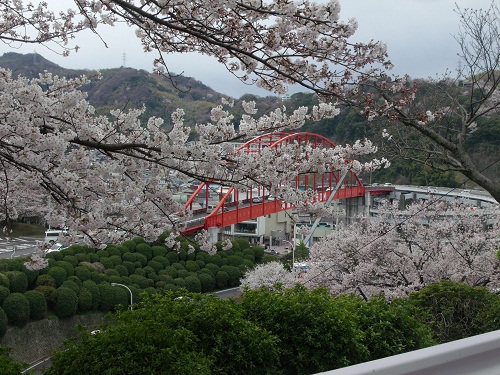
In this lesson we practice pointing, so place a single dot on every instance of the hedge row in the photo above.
(79, 278)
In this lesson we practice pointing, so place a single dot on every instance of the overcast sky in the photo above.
(418, 33)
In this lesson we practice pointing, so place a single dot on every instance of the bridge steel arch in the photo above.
(234, 206)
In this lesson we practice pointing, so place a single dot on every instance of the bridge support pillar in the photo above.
(214, 235)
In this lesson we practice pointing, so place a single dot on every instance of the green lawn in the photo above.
(27, 230)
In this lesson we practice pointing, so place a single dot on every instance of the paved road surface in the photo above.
(17, 247)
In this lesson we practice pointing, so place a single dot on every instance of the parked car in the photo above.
(257, 200)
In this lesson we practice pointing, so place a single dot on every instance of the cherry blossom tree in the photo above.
(268, 275)
(397, 252)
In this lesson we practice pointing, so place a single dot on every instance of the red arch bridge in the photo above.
(225, 206)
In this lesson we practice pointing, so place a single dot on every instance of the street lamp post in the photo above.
(131, 300)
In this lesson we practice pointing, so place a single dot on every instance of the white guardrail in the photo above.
(477, 355)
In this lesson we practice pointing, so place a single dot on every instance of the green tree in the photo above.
(317, 332)
(456, 310)
(192, 335)
(8, 366)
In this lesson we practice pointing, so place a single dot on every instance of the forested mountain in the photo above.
(126, 88)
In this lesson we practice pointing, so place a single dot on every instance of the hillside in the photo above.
(128, 88)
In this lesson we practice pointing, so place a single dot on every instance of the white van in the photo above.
(51, 235)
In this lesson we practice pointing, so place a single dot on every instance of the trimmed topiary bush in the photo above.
(172, 257)
(143, 259)
(171, 271)
(82, 257)
(193, 284)
(207, 282)
(156, 266)
(38, 304)
(17, 309)
(45, 280)
(31, 275)
(18, 281)
(4, 322)
(83, 273)
(50, 294)
(66, 303)
(159, 250)
(116, 259)
(73, 260)
(234, 274)
(102, 254)
(94, 289)
(144, 249)
(112, 272)
(130, 266)
(141, 281)
(130, 245)
(4, 293)
(71, 285)
(4, 280)
(59, 274)
(99, 277)
(106, 262)
(68, 267)
(192, 266)
(9, 265)
(222, 279)
(179, 282)
(85, 300)
(129, 257)
(112, 296)
(121, 269)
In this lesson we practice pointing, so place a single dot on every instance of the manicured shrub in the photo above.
(183, 254)
(31, 275)
(240, 244)
(114, 250)
(115, 279)
(140, 272)
(234, 260)
(121, 269)
(71, 259)
(172, 271)
(106, 262)
(192, 266)
(222, 279)
(17, 309)
(4, 322)
(66, 303)
(59, 274)
(112, 296)
(68, 251)
(207, 282)
(130, 245)
(4, 280)
(45, 280)
(234, 274)
(94, 289)
(172, 257)
(140, 281)
(56, 255)
(179, 282)
(215, 259)
(201, 263)
(18, 281)
(9, 265)
(83, 273)
(82, 257)
(159, 250)
(214, 268)
(71, 285)
(93, 257)
(179, 265)
(38, 304)
(182, 273)
(170, 286)
(50, 294)
(143, 259)
(102, 254)
(258, 252)
(156, 266)
(162, 260)
(112, 272)
(68, 267)
(84, 299)
(129, 257)
(130, 266)
(76, 280)
(99, 277)
(116, 259)
(4, 293)
(148, 269)
(145, 249)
